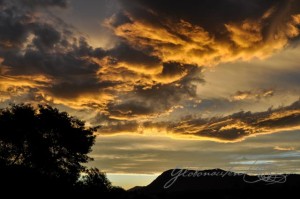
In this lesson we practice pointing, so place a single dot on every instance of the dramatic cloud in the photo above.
(135, 59)
(232, 128)
(151, 76)
(158, 98)
(240, 125)
(207, 32)
(58, 65)
(55, 60)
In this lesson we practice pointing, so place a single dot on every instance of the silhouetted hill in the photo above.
(218, 183)
(136, 188)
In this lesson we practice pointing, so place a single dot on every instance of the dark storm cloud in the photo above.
(18, 20)
(71, 74)
(134, 57)
(208, 32)
(75, 88)
(210, 14)
(34, 44)
(159, 98)
(58, 64)
(45, 37)
(171, 69)
(14, 25)
(120, 18)
(240, 125)
(154, 67)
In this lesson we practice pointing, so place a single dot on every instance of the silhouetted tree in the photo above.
(95, 181)
(44, 140)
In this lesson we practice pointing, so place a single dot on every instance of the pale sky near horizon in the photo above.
(209, 84)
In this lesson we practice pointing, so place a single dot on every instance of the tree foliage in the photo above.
(95, 181)
(45, 140)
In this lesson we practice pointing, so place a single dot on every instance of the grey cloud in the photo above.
(159, 98)
(13, 26)
(49, 63)
(119, 19)
(198, 12)
(35, 46)
(125, 53)
(76, 88)
(242, 124)
(45, 37)
(17, 20)
(207, 32)
(172, 69)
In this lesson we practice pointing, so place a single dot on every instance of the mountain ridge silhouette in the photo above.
(218, 183)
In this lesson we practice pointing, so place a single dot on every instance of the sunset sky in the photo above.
(199, 84)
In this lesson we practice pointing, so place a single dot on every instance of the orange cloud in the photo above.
(153, 69)
(231, 128)
(187, 43)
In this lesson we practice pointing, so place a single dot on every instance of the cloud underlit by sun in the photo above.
(191, 74)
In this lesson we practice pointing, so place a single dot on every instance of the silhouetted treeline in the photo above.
(42, 151)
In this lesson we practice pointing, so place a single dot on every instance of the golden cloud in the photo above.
(232, 128)
(187, 43)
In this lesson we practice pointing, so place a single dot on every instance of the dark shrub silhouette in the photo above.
(42, 147)
(95, 181)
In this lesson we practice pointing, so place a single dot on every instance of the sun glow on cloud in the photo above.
(147, 82)
(211, 82)
(183, 42)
